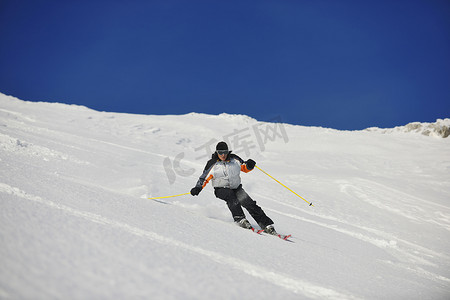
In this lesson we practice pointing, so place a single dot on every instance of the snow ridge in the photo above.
(440, 128)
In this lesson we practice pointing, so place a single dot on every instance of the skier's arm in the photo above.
(246, 166)
(206, 170)
(202, 180)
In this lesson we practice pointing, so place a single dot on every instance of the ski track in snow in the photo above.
(11, 144)
(392, 244)
(402, 249)
(18, 115)
(69, 136)
(366, 192)
(295, 285)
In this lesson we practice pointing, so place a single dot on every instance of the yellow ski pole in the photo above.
(169, 196)
(310, 203)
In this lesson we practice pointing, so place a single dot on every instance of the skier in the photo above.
(224, 170)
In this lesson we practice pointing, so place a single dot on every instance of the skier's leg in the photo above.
(233, 203)
(255, 211)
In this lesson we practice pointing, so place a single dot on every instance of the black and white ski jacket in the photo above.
(223, 174)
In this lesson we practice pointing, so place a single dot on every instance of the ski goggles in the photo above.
(222, 152)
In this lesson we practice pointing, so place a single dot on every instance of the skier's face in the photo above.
(222, 156)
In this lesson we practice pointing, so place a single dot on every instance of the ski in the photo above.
(284, 237)
(258, 231)
(281, 236)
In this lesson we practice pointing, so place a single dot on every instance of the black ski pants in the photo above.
(236, 198)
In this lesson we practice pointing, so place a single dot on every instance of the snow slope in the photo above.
(76, 222)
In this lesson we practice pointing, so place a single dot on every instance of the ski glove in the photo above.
(196, 190)
(250, 164)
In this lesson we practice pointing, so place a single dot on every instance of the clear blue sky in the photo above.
(340, 64)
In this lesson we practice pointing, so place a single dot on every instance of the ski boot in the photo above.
(270, 230)
(244, 224)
